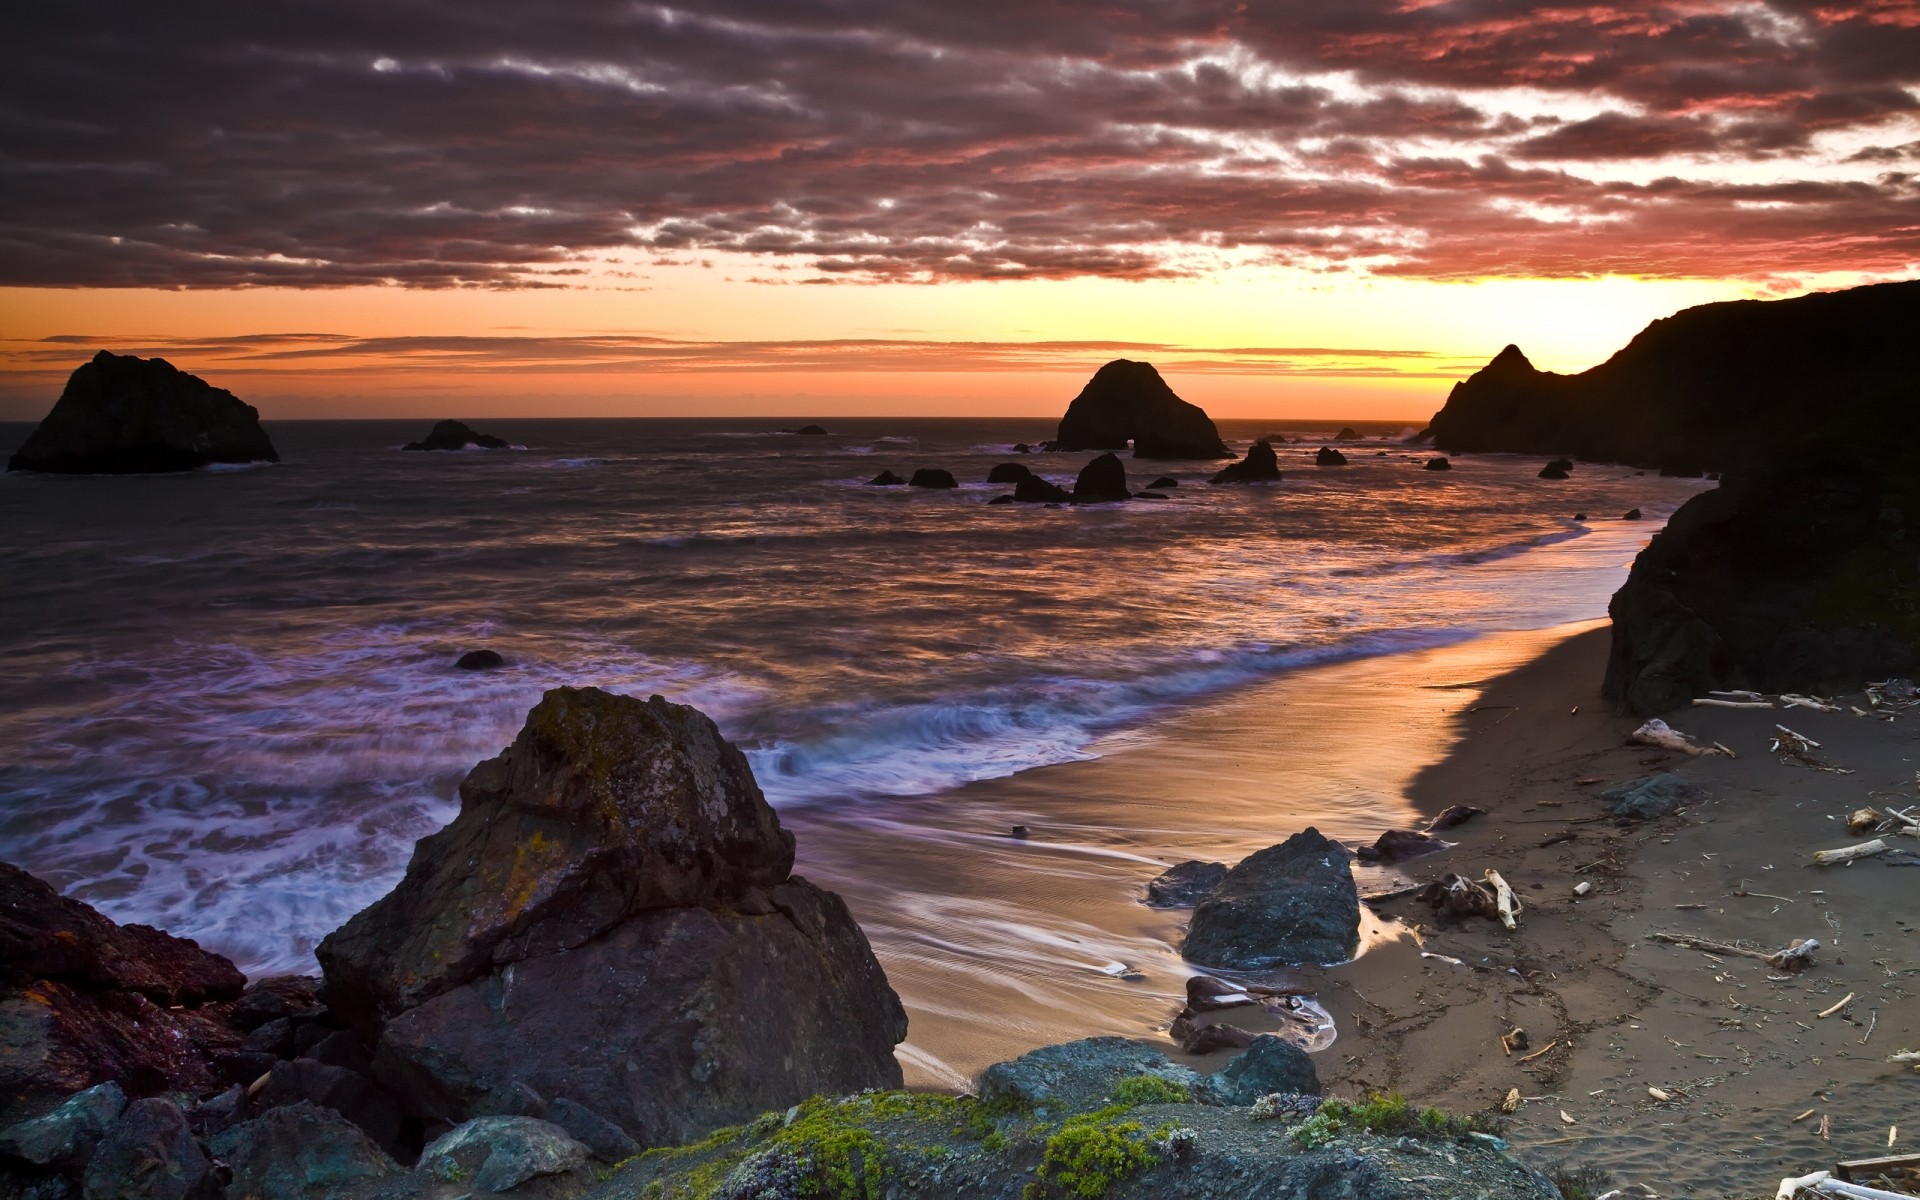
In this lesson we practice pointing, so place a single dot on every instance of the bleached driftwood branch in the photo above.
(1659, 734)
(1828, 858)
(1797, 957)
(1504, 900)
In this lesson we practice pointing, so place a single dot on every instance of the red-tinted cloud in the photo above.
(440, 144)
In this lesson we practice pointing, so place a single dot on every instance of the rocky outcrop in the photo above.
(480, 660)
(1008, 473)
(1329, 457)
(1706, 388)
(1798, 574)
(84, 1001)
(612, 919)
(886, 479)
(1102, 481)
(1035, 490)
(1270, 1064)
(456, 435)
(123, 415)
(1260, 465)
(1291, 903)
(1163, 483)
(933, 477)
(1127, 401)
(1439, 463)
(1347, 434)
(149, 1154)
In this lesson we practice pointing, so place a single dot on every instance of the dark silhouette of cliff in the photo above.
(1707, 387)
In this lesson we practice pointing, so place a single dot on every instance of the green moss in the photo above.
(1388, 1115)
(1150, 1089)
(1090, 1153)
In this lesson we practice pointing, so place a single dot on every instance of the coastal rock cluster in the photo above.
(121, 415)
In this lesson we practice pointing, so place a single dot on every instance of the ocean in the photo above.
(229, 704)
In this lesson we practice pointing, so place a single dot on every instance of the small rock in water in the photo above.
(480, 660)
(1553, 470)
(1035, 490)
(1019, 831)
(457, 435)
(1633, 514)
(1102, 481)
(1347, 434)
(1022, 448)
(811, 431)
(1329, 457)
(1579, 516)
(1149, 496)
(1008, 473)
(1441, 463)
(1165, 481)
(1001, 500)
(1259, 466)
(933, 477)
(886, 479)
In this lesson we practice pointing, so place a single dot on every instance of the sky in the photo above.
(474, 207)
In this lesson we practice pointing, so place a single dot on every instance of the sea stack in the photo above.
(1128, 401)
(457, 435)
(1260, 465)
(122, 415)
(612, 920)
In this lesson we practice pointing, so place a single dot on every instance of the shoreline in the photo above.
(1736, 1049)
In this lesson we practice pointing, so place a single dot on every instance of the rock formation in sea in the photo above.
(1035, 490)
(1347, 434)
(121, 415)
(612, 920)
(1703, 389)
(1128, 401)
(1291, 903)
(1329, 457)
(886, 479)
(1102, 481)
(1798, 573)
(1260, 465)
(1439, 463)
(812, 431)
(1008, 473)
(933, 477)
(456, 435)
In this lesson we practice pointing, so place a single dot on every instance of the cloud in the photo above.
(441, 144)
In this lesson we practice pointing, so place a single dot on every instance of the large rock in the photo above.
(495, 1154)
(1706, 388)
(1078, 1076)
(149, 1154)
(457, 435)
(66, 1136)
(1101, 481)
(1801, 573)
(122, 415)
(1260, 465)
(1291, 903)
(1128, 401)
(611, 918)
(1269, 1064)
(300, 1152)
(1185, 884)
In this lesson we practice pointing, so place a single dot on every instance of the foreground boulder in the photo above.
(300, 1152)
(1798, 574)
(123, 415)
(1127, 401)
(455, 435)
(612, 920)
(1101, 481)
(84, 1001)
(1260, 465)
(1291, 903)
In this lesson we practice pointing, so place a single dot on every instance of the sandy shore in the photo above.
(1737, 1047)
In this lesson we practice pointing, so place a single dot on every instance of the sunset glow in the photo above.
(746, 208)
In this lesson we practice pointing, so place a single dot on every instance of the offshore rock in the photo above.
(456, 435)
(1101, 481)
(1347, 434)
(1709, 387)
(1329, 457)
(1260, 465)
(886, 479)
(1162, 483)
(612, 919)
(1291, 903)
(300, 1152)
(1008, 473)
(124, 415)
(1440, 463)
(1554, 470)
(1035, 490)
(933, 477)
(1128, 401)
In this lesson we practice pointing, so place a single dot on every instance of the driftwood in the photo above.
(1715, 703)
(1866, 1168)
(1821, 1183)
(1797, 957)
(1845, 854)
(1814, 702)
(1504, 901)
(1659, 734)
(1831, 1009)
(1459, 896)
(1799, 748)
(1909, 1058)
(1452, 815)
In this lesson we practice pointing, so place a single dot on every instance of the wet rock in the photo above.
(886, 479)
(352, 1095)
(121, 415)
(66, 1136)
(605, 1140)
(1008, 473)
(1654, 796)
(1126, 402)
(1632, 514)
(149, 1154)
(1329, 457)
(1291, 903)
(1259, 466)
(495, 1154)
(275, 1038)
(1399, 845)
(811, 431)
(1149, 496)
(480, 660)
(1347, 434)
(1102, 481)
(1035, 490)
(273, 997)
(212, 1114)
(1194, 1038)
(1553, 471)
(300, 1152)
(242, 1066)
(1442, 463)
(1163, 483)
(1454, 815)
(1022, 448)
(933, 477)
(1078, 1076)
(1271, 1064)
(1008, 499)
(456, 435)
(612, 918)
(1579, 516)
(1184, 885)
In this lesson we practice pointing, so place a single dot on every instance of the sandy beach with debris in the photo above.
(1687, 1072)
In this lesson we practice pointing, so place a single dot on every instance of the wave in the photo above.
(1467, 558)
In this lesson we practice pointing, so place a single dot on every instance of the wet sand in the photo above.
(998, 945)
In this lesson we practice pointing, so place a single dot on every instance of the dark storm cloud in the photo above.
(475, 143)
